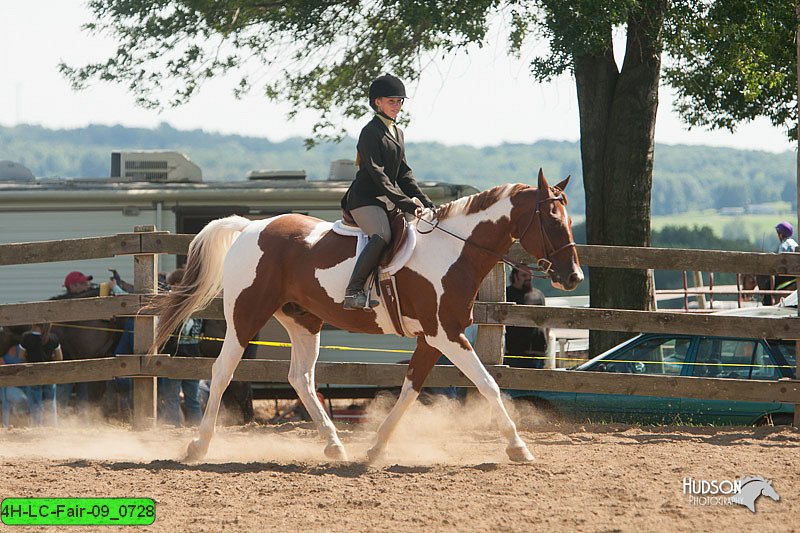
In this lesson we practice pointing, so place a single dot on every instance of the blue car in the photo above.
(678, 355)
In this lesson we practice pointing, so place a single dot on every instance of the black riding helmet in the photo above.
(386, 86)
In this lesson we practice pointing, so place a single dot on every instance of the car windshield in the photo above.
(653, 355)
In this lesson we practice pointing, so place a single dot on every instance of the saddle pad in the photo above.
(400, 258)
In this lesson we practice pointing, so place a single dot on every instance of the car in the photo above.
(680, 355)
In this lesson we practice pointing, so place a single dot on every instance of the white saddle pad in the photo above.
(400, 258)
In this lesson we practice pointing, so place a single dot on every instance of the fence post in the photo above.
(145, 281)
(490, 340)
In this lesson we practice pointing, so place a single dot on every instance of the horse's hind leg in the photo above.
(304, 334)
(221, 374)
(464, 357)
(422, 362)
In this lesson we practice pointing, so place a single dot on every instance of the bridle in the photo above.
(544, 264)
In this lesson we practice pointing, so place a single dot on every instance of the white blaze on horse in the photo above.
(294, 267)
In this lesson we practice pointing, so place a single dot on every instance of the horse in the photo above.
(767, 282)
(238, 397)
(296, 268)
(751, 488)
(86, 339)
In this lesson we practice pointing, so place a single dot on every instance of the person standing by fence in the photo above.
(525, 347)
(41, 346)
(185, 343)
(13, 398)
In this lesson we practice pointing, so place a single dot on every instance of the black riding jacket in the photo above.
(383, 172)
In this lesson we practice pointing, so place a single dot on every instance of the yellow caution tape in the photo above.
(389, 350)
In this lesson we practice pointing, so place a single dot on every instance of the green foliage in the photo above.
(734, 60)
(689, 178)
(314, 54)
(698, 238)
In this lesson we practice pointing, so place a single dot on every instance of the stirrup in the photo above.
(359, 300)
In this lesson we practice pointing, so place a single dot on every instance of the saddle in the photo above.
(396, 254)
(399, 226)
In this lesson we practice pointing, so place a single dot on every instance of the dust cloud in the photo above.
(437, 430)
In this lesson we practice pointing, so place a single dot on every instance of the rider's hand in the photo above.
(425, 213)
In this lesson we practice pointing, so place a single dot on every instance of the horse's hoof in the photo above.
(335, 452)
(374, 454)
(519, 454)
(194, 452)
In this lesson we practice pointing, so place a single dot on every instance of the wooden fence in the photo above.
(490, 313)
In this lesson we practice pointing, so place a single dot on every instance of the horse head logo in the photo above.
(752, 488)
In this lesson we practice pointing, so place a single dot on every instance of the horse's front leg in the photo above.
(422, 362)
(464, 357)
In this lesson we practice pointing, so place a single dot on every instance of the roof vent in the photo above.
(152, 166)
(342, 170)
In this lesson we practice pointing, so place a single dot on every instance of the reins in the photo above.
(544, 264)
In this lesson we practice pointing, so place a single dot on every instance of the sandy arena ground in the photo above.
(446, 471)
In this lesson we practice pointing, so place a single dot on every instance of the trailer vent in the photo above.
(154, 167)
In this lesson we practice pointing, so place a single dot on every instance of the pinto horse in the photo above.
(296, 268)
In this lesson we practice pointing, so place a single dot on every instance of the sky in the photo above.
(478, 98)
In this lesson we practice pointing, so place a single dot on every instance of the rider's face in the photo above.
(389, 106)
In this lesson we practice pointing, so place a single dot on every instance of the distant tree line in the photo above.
(685, 177)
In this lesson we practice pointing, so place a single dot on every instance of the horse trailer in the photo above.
(166, 189)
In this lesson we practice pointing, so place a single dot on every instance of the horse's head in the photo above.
(544, 230)
(769, 491)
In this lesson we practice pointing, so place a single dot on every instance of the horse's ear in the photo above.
(564, 183)
(543, 186)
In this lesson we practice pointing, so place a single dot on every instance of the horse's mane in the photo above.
(478, 201)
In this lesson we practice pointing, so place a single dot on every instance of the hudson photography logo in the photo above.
(744, 491)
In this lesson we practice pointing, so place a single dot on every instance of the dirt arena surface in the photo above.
(446, 471)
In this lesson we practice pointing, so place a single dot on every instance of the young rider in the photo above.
(383, 182)
(784, 231)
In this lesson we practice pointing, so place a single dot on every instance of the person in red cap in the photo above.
(77, 282)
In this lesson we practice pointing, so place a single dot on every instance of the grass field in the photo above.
(757, 228)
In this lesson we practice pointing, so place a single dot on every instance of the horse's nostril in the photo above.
(575, 277)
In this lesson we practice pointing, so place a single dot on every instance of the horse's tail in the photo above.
(202, 280)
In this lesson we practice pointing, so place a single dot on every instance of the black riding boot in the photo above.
(354, 296)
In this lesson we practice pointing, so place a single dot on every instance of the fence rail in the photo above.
(590, 255)
(388, 375)
(145, 244)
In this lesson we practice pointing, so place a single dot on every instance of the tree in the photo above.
(321, 55)
(733, 61)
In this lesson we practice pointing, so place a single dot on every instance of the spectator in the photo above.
(186, 343)
(119, 391)
(784, 231)
(77, 282)
(41, 346)
(787, 244)
(13, 398)
(77, 285)
(527, 347)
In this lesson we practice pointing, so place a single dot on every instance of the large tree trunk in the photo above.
(618, 117)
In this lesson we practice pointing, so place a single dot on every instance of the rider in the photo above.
(784, 231)
(787, 244)
(384, 181)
